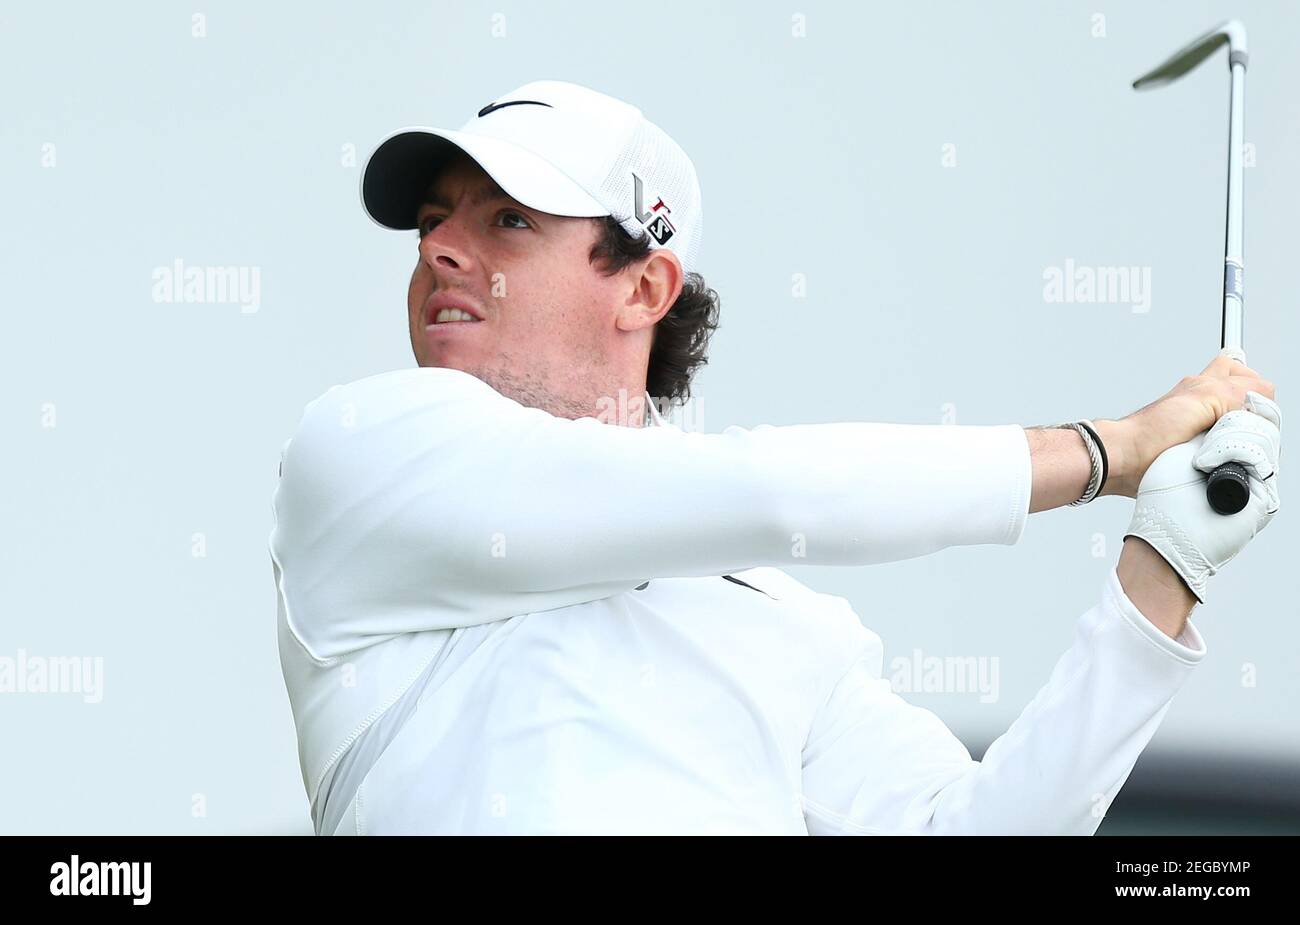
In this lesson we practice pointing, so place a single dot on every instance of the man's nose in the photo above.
(446, 247)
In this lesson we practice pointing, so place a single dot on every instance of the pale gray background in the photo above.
(819, 155)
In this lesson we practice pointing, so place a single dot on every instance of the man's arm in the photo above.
(1133, 443)
(423, 499)
(1155, 588)
(874, 763)
(1061, 465)
(1060, 475)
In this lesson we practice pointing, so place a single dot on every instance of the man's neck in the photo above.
(624, 406)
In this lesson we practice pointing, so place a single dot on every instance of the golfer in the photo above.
(513, 598)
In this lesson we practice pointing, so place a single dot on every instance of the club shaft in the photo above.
(1234, 247)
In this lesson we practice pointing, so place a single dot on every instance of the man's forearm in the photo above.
(1061, 465)
(1154, 587)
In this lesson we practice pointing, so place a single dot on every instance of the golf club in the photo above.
(1227, 488)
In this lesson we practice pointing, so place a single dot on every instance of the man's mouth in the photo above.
(453, 316)
(448, 308)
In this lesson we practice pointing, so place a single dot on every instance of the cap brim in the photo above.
(400, 170)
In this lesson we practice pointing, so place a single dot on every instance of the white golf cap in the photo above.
(558, 148)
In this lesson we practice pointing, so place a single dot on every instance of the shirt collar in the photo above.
(653, 417)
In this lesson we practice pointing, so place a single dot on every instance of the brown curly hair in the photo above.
(681, 338)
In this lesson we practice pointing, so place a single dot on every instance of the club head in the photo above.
(1231, 33)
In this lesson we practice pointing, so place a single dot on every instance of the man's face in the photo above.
(547, 323)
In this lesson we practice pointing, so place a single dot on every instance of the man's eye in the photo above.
(523, 222)
(429, 222)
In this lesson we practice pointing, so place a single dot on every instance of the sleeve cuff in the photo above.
(1188, 648)
(1022, 488)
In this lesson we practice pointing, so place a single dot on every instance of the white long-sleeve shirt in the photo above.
(494, 620)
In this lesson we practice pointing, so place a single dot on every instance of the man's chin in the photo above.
(443, 348)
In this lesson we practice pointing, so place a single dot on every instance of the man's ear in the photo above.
(653, 287)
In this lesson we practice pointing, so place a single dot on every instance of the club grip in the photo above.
(1228, 488)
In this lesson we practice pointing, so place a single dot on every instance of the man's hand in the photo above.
(1190, 408)
(1172, 515)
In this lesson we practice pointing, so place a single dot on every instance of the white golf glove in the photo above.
(1171, 512)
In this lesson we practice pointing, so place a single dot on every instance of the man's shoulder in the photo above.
(350, 435)
(406, 385)
(353, 407)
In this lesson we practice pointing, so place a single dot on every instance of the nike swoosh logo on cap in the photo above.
(493, 107)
